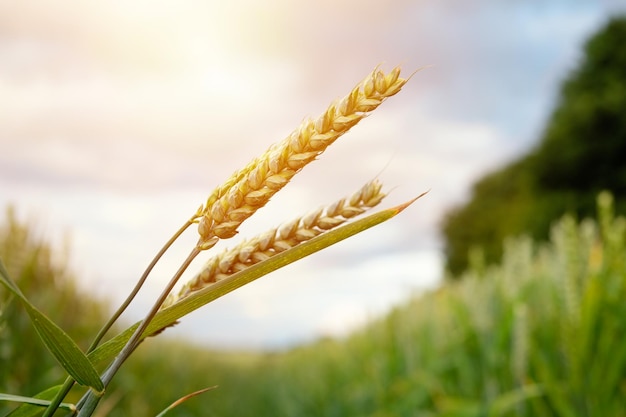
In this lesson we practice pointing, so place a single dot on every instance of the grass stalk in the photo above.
(88, 403)
(69, 381)
(241, 196)
(137, 287)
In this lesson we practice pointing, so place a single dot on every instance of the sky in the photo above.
(117, 119)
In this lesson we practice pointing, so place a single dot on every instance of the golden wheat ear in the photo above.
(277, 240)
(250, 188)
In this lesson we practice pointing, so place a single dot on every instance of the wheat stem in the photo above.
(90, 400)
(69, 381)
(137, 287)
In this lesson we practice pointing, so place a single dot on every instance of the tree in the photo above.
(584, 144)
(581, 152)
(500, 203)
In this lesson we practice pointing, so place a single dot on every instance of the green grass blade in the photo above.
(171, 314)
(32, 406)
(8, 282)
(185, 398)
(507, 402)
(59, 343)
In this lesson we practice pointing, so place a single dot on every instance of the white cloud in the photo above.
(118, 118)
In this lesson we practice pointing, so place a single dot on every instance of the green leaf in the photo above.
(506, 402)
(183, 399)
(34, 405)
(59, 343)
(170, 315)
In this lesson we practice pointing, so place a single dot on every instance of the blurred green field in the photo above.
(541, 334)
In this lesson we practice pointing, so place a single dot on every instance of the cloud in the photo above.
(118, 118)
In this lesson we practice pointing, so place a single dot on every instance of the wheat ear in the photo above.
(277, 240)
(250, 188)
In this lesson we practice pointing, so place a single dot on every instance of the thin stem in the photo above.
(89, 402)
(138, 286)
(58, 399)
(69, 382)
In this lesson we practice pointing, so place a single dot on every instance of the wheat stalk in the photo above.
(250, 188)
(272, 242)
(242, 195)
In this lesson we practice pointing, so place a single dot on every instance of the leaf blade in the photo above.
(58, 343)
(170, 315)
(183, 399)
(32, 406)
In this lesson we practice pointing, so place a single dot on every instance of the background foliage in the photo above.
(580, 154)
(44, 277)
(540, 334)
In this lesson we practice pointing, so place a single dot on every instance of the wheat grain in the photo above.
(250, 188)
(277, 240)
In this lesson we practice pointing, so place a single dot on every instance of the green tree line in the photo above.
(582, 151)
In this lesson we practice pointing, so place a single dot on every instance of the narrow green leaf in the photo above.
(183, 399)
(507, 401)
(65, 350)
(171, 314)
(8, 282)
(59, 343)
(33, 406)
